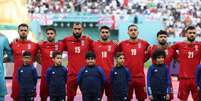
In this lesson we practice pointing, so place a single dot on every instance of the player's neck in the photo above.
(104, 41)
(133, 40)
(25, 39)
(163, 46)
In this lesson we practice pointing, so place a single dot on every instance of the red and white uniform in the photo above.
(18, 47)
(46, 51)
(105, 58)
(76, 49)
(189, 57)
(135, 57)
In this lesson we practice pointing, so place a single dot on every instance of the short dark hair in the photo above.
(118, 54)
(90, 54)
(157, 53)
(104, 27)
(26, 53)
(23, 25)
(162, 32)
(132, 25)
(190, 28)
(55, 53)
(50, 28)
(77, 23)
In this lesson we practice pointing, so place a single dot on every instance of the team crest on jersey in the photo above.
(139, 45)
(109, 48)
(196, 47)
(82, 42)
(166, 52)
(156, 70)
(56, 47)
(53, 72)
(29, 46)
(86, 71)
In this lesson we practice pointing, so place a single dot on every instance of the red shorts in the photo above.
(107, 88)
(72, 86)
(137, 84)
(43, 87)
(185, 87)
(15, 88)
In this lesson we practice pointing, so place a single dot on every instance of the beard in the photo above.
(191, 39)
(162, 43)
(133, 37)
(77, 35)
(23, 37)
(50, 39)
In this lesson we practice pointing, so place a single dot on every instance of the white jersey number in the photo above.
(190, 55)
(133, 52)
(77, 50)
(104, 54)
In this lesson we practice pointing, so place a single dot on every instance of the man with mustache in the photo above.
(76, 45)
(18, 47)
(46, 49)
(163, 45)
(135, 51)
(105, 50)
(189, 57)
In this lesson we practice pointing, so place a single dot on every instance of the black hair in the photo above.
(23, 25)
(132, 25)
(104, 27)
(190, 28)
(157, 53)
(26, 53)
(55, 53)
(118, 54)
(90, 54)
(162, 32)
(50, 28)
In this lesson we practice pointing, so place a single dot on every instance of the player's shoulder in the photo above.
(67, 38)
(143, 41)
(124, 42)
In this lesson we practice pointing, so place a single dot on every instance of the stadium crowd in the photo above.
(175, 15)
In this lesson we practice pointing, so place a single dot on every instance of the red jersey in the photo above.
(169, 54)
(18, 48)
(189, 55)
(77, 49)
(105, 55)
(135, 56)
(46, 50)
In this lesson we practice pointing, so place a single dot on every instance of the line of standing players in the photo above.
(135, 53)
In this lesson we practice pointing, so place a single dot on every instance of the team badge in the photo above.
(29, 46)
(139, 45)
(82, 42)
(156, 70)
(109, 48)
(196, 47)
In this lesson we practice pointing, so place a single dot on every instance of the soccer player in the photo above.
(19, 46)
(46, 50)
(189, 55)
(105, 50)
(158, 78)
(56, 78)
(119, 79)
(91, 79)
(163, 45)
(135, 51)
(77, 45)
(27, 78)
(4, 48)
